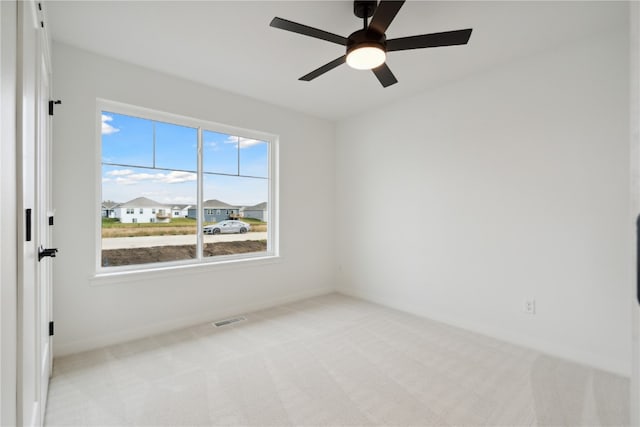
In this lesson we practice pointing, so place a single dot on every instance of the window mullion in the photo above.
(154, 143)
(199, 202)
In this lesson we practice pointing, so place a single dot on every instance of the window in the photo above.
(156, 159)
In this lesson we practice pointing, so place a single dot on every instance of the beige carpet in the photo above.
(329, 361)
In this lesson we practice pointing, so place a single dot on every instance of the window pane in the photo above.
(254, 157)
(127, 140)
(150, 187)
(235, 215)
(219, 153)
(131, 232)
(176, 147)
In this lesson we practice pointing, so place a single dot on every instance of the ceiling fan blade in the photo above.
(326, 67)
(447, 38)
(305, 30)
(384, 75)
(384, 14)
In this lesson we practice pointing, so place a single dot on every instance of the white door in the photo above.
(44, 212)
(28, 395)
(33, 193)
(635, 376)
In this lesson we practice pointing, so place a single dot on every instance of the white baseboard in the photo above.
(173, 324)
(563, 352)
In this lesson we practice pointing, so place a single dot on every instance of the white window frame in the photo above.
(202, 125)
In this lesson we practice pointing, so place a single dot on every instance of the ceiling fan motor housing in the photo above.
(362, 8)
(366, 38)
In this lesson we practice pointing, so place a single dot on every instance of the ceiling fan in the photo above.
(367, 48)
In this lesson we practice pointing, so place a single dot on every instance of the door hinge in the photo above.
(51, 104)
(51, 329)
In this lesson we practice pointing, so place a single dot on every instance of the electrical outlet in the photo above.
(530, 306)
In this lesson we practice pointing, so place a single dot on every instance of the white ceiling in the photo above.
(229, 44)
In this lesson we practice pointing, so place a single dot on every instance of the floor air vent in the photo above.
(226, 322)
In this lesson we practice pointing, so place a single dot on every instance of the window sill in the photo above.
(179, 270)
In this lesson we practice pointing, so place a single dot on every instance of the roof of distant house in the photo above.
(142, 202)
(213, 203)
(180, 207)
(259, 207)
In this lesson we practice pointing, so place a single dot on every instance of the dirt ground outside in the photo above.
(160, 230)
(134, 256)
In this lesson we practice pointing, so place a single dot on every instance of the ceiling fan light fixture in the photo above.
(366, 57)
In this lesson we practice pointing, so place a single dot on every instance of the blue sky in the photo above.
(129, 141)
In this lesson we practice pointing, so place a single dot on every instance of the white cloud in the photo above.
(175, 177)
(120, 172)
(133, 179)
(167, 197)
(107, 129)
(244, 142)
(128, 177)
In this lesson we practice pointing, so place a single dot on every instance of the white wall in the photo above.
(634, 18)
(91, 313)
(508, 185)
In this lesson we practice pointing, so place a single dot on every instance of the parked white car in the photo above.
(228, 226)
